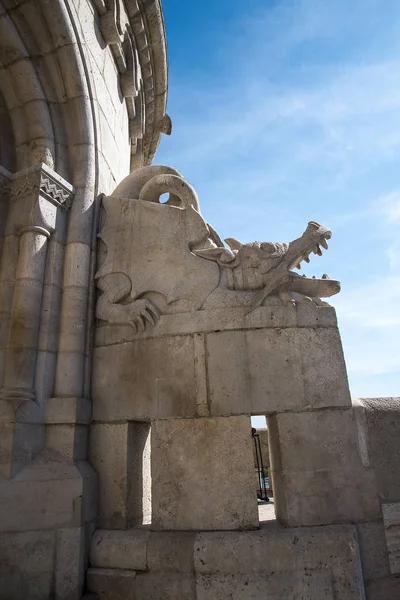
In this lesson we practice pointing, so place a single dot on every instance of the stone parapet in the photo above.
(314, 563)
(221, 363)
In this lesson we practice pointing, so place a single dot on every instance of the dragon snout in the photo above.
(318, 229)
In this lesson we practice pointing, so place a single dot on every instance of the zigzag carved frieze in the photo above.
(43, 183)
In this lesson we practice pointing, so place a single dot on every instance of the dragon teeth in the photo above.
(306, 259)
(325, 276)
(298, 266)
(324, 243)
(319, 251)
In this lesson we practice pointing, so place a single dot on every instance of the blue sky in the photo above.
(289, 111)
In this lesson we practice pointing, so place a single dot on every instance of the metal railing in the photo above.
(262, 474)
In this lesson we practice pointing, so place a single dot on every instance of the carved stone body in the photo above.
(164, 257)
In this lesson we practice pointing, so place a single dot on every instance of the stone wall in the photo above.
(378, 427)
(151, 467)
(70, 129)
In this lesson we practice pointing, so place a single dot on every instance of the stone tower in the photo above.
(82, 103)
(135, 345)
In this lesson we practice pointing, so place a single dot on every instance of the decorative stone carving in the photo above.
(165, 258)
(126, 30)
(47, 182)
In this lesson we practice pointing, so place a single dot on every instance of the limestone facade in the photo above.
(82, 102)
(135, 346)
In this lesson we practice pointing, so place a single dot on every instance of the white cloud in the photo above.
(391, 205)
(373, 305)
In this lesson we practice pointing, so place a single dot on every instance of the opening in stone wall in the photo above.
(262, 466)
(139, 474)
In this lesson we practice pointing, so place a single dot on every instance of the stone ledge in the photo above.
(222, 319)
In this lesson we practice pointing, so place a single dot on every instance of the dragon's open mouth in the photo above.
(314, 239)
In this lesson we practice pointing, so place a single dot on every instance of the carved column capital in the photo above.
(37, 194)
(44, 181)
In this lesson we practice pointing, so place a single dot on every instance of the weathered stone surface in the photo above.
(248, 371)
(68, 410)
(229, 556)
(195, 459)
(391, 522)
(144, 379)
(374, 554)
(273, 315)
(109, 455)
(165, 586)
(70, 563)
(317, 473)
(171, 551)
(268, 370)
(26, 565)
(383, 422)
(49, 493)
(331, 431)
(112, 584)
(296, 585)
(387, 588)
(120, 549)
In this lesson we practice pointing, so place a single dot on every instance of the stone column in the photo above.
(37, 196)
(7, 267)
(24, 329)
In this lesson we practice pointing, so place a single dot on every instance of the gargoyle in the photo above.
(164, 257)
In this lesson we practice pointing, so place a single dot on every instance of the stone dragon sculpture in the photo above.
(159, 258)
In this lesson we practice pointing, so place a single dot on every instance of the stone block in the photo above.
(26, 565)
(111, 584)
(254, 371)
(49, 493)
(200, 479)
(165, 586)
(69, 440)
(383, 421)
(70, 563)
(255, 556)
(171, 551)
(296, 585)
(374, 555)
(109, 455)
(315, 440)
(327, 496)
(391, 522)
(144, 379)
(387, 588)
(324, 368)
(120, 549)
(317, 472)
(266, 370)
